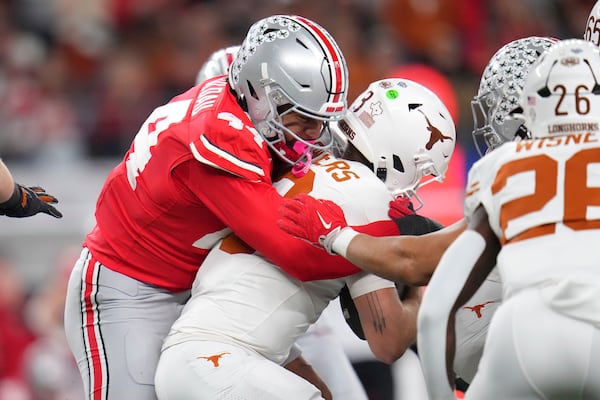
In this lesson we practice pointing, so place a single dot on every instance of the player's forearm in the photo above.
(410, 259)
(391, 327)
(7, 184)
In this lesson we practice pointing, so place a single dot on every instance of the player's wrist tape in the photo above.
(13, 201)
(339, 244)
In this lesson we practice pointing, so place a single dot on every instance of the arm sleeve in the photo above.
(442, 291)
(364, 282)
(379, 228)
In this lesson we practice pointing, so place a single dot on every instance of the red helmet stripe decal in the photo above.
(229, 55)
(335, 57)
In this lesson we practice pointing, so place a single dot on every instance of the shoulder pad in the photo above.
(227, 140)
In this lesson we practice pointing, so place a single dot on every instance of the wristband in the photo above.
(341, 242)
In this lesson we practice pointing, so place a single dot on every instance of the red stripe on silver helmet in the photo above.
(335, 58)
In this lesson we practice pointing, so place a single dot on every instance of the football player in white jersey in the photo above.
(239, 327)
(319, 346)
(532, 207)
(413, 260)
(497, 97)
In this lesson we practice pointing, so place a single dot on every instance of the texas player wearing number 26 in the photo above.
(199, 168)
(534, 207)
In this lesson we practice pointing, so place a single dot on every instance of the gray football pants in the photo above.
(115, 326)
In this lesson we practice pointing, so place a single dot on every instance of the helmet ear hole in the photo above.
(398, 165)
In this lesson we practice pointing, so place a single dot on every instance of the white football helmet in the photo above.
(561, 94)
(217, 64)
(404, 131)
(290, 64)
(499, 92)
(592, 25)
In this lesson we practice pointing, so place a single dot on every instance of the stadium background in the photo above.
(77, 78)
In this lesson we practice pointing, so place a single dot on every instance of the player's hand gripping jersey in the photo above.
(521, 186)
(196, 167)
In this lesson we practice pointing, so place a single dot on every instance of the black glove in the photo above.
(415, 224)
(28, 201)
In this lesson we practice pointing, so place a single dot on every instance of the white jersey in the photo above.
(543, 201)
(240, 298)
(471, 325)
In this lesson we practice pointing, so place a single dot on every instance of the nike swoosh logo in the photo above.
(326, 225)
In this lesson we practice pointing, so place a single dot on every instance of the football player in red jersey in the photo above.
(200, 167)
(231, 309)
(320, 355)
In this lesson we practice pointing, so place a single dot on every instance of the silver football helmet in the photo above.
(217, 64)
(404, 131)
(290, 64)
(561, 94)
(592, 25)
(499, 92)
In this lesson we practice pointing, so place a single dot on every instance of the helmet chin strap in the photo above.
(294, 154)
(301, 167)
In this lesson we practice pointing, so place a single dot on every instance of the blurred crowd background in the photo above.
(78, 77)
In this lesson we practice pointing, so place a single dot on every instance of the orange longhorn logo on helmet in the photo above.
(436, 134)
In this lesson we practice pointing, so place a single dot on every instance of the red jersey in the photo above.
(196, 170)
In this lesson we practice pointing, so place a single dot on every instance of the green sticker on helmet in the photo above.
(391, 94)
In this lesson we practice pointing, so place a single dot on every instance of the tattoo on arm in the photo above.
(376, 312)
